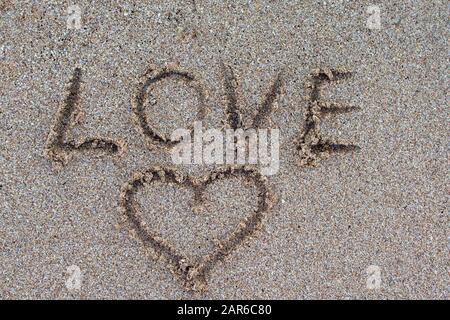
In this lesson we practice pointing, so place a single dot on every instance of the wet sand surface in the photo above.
(70, 149)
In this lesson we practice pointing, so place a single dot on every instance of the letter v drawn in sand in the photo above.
(58, 148)
(193, 273)
(233, 116)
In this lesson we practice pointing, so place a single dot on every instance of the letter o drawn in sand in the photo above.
(150, 79)
(193, 273)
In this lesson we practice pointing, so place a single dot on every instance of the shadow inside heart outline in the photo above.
(193, 273)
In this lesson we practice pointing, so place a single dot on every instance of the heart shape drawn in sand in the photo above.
(194, 273)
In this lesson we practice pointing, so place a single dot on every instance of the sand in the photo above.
(333, 215)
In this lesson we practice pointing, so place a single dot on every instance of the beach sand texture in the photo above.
(319, 232)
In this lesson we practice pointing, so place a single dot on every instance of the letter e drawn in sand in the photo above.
(152, 77)
(311, 146)
(193, 273)
(58, 148)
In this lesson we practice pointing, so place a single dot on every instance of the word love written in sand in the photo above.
(310, 145)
